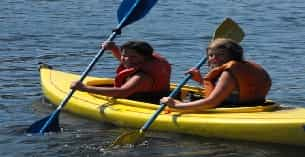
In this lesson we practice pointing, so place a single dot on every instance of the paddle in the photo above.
(128, 12)
(227, 29)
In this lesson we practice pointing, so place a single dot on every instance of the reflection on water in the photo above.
(81, 137)
(66, 34)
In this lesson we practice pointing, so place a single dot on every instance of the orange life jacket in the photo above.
(253, 81)
(158, 69)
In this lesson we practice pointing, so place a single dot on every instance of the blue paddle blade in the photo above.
(128, 12)
(52, 127)
(133, 10)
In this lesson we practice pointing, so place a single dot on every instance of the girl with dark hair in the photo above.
(141, 75)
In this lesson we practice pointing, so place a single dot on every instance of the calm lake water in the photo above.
(66, 34)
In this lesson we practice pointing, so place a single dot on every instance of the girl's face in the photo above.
(217, 57)
(131, 58)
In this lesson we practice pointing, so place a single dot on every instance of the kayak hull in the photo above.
(262, 123)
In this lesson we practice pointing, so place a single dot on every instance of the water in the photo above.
(66, 34)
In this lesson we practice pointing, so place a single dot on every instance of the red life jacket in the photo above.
(158, 69)
(253, 81)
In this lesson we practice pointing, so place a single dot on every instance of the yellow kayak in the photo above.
(266, 122)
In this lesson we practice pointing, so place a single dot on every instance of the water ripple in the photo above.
(67, 34)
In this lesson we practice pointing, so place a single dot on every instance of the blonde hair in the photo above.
(232, 47)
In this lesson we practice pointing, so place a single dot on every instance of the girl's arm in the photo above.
(110, 45)
(135, 84)
(226, 84)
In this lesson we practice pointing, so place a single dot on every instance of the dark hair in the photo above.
(142, 47)
(235, 50)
